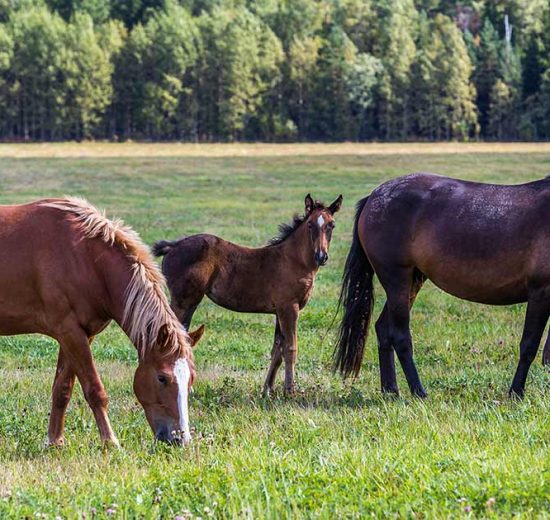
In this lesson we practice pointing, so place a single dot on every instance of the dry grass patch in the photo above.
(133, 150)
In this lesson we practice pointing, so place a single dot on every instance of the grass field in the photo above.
(337, 449)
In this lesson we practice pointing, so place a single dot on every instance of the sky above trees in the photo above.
(274, 70)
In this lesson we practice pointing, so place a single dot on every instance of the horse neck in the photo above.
(298, 247)
(117, 271)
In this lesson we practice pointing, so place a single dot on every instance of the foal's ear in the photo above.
(309, 204)
(336, 205)
(196, 335)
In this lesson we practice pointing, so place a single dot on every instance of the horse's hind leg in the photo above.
(546, 351)
(184, 311)
(535, 321)
(276, 360)
(61, 395)
(398, 284)
(386, 358)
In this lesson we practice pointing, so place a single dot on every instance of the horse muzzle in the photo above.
(321, 258)
(174, 437)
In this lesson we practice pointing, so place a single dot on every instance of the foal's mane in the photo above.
(286, 229)
(146, 308)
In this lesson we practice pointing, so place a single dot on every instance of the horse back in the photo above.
(46, 269)
(465, 236)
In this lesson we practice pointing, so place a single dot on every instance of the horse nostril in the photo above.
(321, 258)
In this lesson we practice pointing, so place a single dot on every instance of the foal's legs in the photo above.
(288, 319)
(398, 286)
(535, 321)
(276, 359)
(76, 350)
(386, 357)
(61, 394)
(185, 308)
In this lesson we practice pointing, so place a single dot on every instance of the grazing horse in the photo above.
(275, 279)
(66, 271)
(481, 242)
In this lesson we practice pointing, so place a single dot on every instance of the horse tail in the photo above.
(357, 297)
(163, 247)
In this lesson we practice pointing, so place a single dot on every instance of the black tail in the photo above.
(162, 247)
(357, 296)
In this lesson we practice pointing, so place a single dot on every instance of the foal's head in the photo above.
(320, 223)
(162, 383)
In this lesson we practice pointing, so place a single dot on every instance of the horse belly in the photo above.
(494, 281)
(242, 295)
(19, 309)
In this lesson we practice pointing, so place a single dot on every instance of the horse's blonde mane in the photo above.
(146, 307)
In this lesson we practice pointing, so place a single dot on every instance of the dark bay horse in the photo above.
(276, 279)
(481, 242)
(66, 271)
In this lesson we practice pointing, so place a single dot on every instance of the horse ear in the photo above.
(309, 204)
(336, 205)
(196, 335)
(162, 336)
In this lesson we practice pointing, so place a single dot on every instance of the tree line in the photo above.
(274, 70)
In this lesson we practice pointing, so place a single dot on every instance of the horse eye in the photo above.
(162, 379)
(309, 225)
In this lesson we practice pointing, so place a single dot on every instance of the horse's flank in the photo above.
(146, 308)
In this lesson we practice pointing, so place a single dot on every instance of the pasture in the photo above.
(337, 449)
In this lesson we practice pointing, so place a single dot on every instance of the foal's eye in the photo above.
(309, 225)
(162, 379)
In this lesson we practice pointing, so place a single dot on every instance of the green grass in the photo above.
(337, 449)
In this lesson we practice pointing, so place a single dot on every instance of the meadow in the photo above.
(339, 448)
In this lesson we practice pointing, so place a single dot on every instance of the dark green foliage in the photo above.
(274, 70)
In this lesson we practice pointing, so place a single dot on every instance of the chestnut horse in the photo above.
(481, 242)
(275, 279)
(66, 271)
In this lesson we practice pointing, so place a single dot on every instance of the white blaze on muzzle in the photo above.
(182, 374)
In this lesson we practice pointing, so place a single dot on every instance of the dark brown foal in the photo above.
(276, 279)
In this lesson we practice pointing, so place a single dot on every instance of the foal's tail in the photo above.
(163, 247)
(357, 296)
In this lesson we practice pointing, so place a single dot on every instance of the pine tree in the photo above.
(445, 62)
(87, 71)
(239, 66)
(397, 25)
(151, 71)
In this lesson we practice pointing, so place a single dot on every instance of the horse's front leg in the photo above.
(61, 395)
(76, 349)
(288, 319)
(276, 360)
(535, 321)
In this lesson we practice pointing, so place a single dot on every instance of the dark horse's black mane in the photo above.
(286, 229)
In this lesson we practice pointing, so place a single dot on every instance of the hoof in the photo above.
(390, 391)
(290, 391)
(109, 444)
(420, 393)
(55, 443)
(516, 394)
(267, 392)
